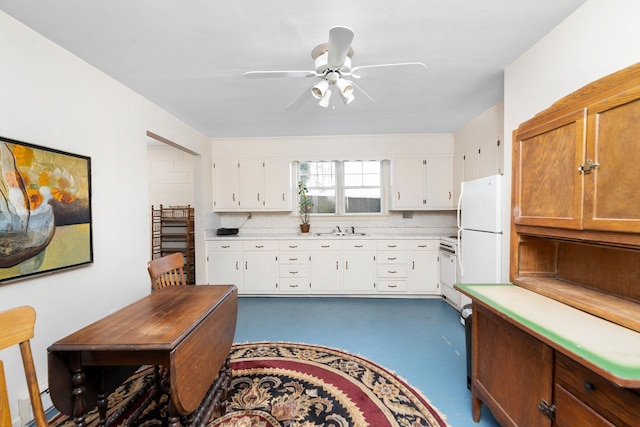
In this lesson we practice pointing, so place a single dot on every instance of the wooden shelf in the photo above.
(172, 230)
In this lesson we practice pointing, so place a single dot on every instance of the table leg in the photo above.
(79, 404)
(174, 417)
(103, 402)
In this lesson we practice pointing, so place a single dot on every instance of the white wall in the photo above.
(171, 176)
(51, 98)
(599, 38)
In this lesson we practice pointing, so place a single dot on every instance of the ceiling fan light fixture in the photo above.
(345, 86)
(319, 89)
(324, 101)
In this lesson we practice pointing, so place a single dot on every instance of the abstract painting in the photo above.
(45, 210)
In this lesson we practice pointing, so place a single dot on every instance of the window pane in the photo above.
(320, 178)
(362, 200)
(362, 189)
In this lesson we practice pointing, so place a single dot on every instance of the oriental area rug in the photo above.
(293, 385)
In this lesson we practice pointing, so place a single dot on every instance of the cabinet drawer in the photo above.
(393, 245)
(261, 245)
(294, 285)
(224, 246)
(620, 405)
(392, 286)
(359, 245)
(423, 245)
(293, 245)
(392, 258)
(293, 257)
(325, 245)
(392, 270)
(293, 270)
(570, 411)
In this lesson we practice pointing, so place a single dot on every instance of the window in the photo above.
(343, 188)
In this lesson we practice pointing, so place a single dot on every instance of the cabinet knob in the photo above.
(588, 386)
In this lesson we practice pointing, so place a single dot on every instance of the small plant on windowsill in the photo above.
(305, 205)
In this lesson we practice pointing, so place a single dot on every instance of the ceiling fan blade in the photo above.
(354, 71)
(299, 101)
(270, 74)
(340, 39)
(362, 90)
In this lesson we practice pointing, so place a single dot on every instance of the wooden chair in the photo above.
(16, 327)
(167, 271)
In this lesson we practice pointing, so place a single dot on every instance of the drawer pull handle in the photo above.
(391, 271)
(293, 272)
(392, 246)
(393, 286)
(357, 246)
(259, 246)
(325, 246)
(293, 259)
(392, 258)
(225, 246)
(422, 246)
(293, 286)
(293, 246)
(588, 386)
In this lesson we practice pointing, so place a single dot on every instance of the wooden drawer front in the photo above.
(293, 270)
(294, 285)
(392, 286)
(392, 258)
(262, 245)
(293, 245)
(392, 270)
(620, 405)
(293, 258)
(325, 245)
(359, 245)
(423, 245)
(224, 246)
(570, 411)
(392, 245)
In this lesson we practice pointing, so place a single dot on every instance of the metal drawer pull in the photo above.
(325, 246)
(225, 246)
(392, 246)
(293, 272)
(588, 386)
(293, 246)
(259, 246)
(236, 265)
(293, 286)
(392, 258)
(422, 246)
(357, 246)
(293, 259)
(393, 286)
(392, 272)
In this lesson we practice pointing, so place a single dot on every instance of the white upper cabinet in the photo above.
(422, 183)
(252, 185)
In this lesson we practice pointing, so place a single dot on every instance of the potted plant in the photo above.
(304, 206)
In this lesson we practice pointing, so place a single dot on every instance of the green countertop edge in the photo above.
(624, 372)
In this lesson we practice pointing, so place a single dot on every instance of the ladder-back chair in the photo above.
(16, 327)
(167, 271)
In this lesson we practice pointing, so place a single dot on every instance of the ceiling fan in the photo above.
(332, 65)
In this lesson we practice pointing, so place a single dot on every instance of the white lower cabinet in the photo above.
(224, 263)
(359, 258)
(293, 266)
(334, 266)
(424, 271)
(325, 258)
(260, 267)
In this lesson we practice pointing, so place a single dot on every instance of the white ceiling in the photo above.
(189, 57)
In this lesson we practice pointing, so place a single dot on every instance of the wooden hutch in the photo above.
(560, 344)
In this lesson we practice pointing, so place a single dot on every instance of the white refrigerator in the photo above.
(480, 231)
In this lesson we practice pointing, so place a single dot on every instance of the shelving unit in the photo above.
(172, 230)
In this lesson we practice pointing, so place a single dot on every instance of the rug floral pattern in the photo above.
(300, 385)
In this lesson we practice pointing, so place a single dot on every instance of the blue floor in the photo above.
(422, 340)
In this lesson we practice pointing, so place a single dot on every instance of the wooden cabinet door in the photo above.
(226, 186)
(612, 188)
(408, 183)
(548, 186)
(512, 371)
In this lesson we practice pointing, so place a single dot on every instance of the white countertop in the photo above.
(210, 235)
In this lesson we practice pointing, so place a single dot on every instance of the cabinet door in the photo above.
(251, 185)
(408, 183)
(260, 266)
(277, 185)
(224, 264)
(424, 269)
(226, 186)
(359, 271)
(490, 157)
(612, 188)
(458, 175)
(439, 183)
(512, 371)
(326, 271)
(548, 187)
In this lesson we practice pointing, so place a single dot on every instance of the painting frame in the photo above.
(46, 221)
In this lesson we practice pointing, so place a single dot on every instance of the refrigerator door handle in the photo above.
(458, 215)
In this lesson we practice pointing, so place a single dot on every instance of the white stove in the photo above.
(449, 270)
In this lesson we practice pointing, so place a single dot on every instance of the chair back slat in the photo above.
(16, 328)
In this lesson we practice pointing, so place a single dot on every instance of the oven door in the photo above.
(448, 272)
